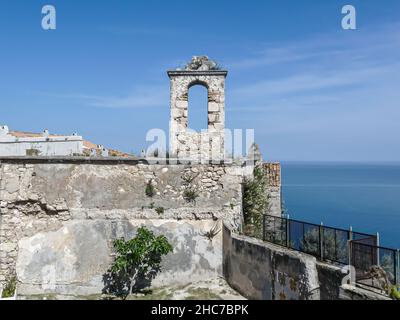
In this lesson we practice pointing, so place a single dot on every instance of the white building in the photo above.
(30, 144)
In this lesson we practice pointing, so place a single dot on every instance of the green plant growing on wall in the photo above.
(255, 203)
(32, 152)
(150, 190)
(136, 263)
(190, 194)
(212, 233)
(188, 179)
(160, 210)
(10, 287)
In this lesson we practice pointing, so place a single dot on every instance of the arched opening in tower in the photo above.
(198, 108)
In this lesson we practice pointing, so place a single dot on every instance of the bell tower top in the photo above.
(184, 143)
(199, 65)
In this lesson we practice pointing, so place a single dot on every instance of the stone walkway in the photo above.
(213, 289)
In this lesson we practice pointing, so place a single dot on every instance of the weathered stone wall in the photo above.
(273, 176)
(74, 259)
(58, 220)
(263, 271)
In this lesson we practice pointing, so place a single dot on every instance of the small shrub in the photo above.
(160, 210)
(150, 190)
(255, 203)
(137, 262)
(190, 195)
(188, 179)
(9, 289)
(394, 293)
(210, 235)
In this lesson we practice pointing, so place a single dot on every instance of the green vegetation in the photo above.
(150, 190)
(160, 210)
(32, 152)
(136, 263)
(394, 293)
(190, 195)
(202, 294)
(255, 203)
(9, 289)
(210, 235)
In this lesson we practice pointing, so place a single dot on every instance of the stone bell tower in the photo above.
(188, 144)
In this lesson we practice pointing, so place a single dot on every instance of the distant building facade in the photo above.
(30, 144)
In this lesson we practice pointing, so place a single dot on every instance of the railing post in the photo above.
(350, 239)
(349, 249)
(378, 243)
(287, 231)
(264, 217)
(398, 269)
(321, 241)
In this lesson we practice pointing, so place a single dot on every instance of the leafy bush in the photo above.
(9, 289)
(136, 263)
(255, 203)
(394, 293)
(160, 210)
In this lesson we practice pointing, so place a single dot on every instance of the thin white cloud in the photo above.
(326, 46)
(333, 73)
(313, 82)
(140, 97)
(141, 31)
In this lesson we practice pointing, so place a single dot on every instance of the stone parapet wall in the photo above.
(263, 271)
(273, 173)
(40, 199)
(59, 217)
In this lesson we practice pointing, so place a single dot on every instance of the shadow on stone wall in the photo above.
(120, 284)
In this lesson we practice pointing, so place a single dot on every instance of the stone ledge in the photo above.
(350, 292)
(175, 73)
(117, 160)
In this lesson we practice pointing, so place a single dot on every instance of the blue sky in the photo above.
(311, 90)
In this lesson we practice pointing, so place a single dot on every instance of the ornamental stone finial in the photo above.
(201, 63)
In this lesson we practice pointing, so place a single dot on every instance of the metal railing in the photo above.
(341, 246)
(375, 266)
(323, 242)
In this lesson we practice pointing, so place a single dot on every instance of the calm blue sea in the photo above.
(364, 196)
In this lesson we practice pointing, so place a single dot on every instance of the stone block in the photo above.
(213, 107)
